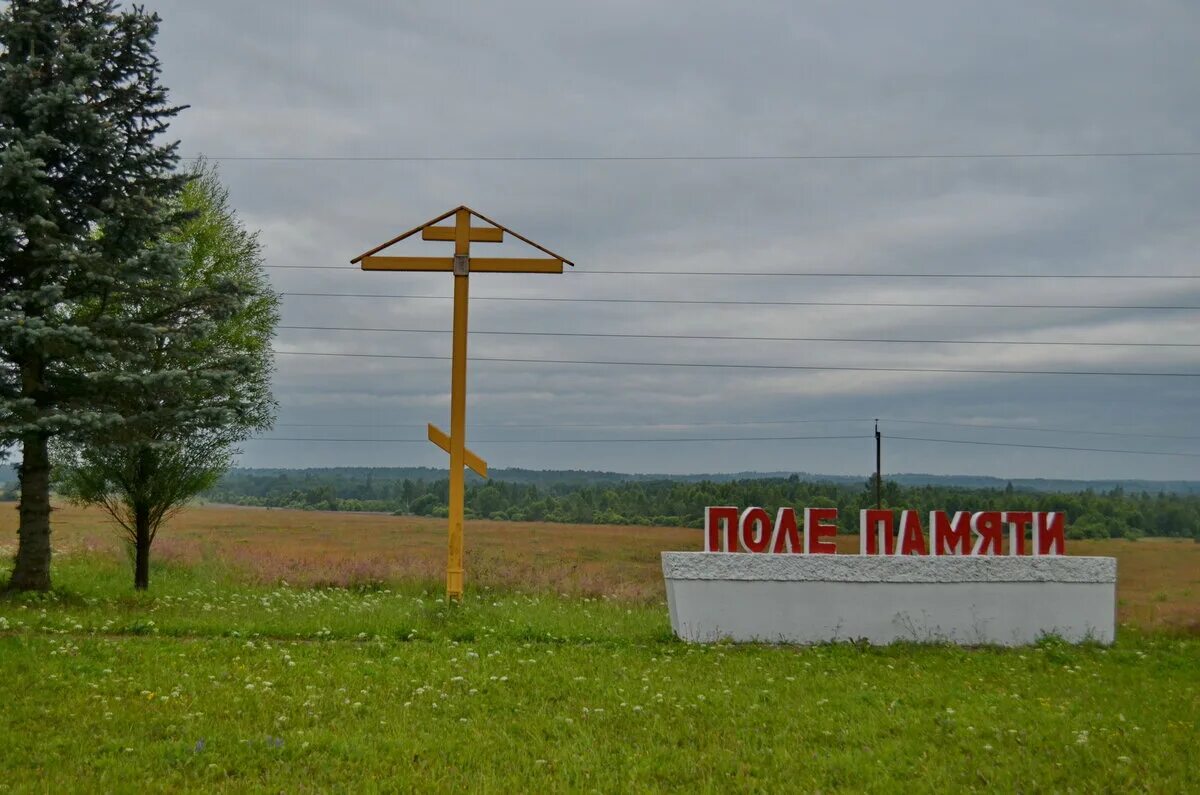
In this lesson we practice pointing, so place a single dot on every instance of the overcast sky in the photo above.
(428, 79)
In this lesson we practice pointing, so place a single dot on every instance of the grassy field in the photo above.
(222, 677)
(1158, 579)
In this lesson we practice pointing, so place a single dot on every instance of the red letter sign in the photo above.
(1016, 521)
(950, 536)
(880, 532)
(815, 530)
(787, 537)
(912, 539)
(876, 528)
(1048, 534)
(989, 526)
(713, 540)
(756, 530)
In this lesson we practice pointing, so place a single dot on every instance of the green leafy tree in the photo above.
(85, 192)
(179, 438)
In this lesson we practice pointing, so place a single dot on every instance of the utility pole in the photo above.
(462, 233)
(878, 466)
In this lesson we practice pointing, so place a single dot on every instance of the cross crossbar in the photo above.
(473, 462)
(475, 264)
(478, 234)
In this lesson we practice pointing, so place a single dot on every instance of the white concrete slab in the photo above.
(1004, 600)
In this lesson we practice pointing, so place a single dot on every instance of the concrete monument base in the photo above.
(1009, 601)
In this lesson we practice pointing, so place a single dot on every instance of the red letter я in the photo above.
(874, 525)
(989, 527)
(756, 530)
(819, 531)
(714, 541)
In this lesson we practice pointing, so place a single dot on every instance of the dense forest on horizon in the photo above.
(575, 497)
(590, 477)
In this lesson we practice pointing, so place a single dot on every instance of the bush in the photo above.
(424, 505)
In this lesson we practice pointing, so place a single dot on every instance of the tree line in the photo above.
(1109, 514)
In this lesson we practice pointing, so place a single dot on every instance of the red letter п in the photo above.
(713, 540)
(874, 525)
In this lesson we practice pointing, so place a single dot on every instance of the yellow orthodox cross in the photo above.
(462, 234)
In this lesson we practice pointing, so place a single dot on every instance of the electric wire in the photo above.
(923, 305)
(1098, 155)
(1040, 446)
(526, 426)
(618, 335)
(985, 427)
(734, 423)
(815, 274)
(575, 441)
(743, 366)
(734, 439)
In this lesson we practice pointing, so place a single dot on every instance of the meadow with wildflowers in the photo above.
(219, 680)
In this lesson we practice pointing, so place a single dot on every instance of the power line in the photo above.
(617, 335)
(1042, 446)
(572, 441)
(585, 425)
(695, 158)
(741, 303)
(740, 366)
(881, 274)
(981, 426)
(524, 426)
(732, 423)
(816, 274)
(729, 439)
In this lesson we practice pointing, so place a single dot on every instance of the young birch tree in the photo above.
(179, 438)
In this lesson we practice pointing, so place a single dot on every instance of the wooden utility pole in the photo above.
(878, 466)
(461, 264)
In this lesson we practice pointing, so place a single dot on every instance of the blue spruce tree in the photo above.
(86, 196)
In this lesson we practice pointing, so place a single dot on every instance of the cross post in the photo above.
(462, 233)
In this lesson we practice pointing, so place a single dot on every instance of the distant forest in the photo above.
(607, 498)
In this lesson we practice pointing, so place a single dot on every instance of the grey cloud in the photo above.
(547, 79)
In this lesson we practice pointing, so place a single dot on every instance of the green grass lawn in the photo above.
(207, 683)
